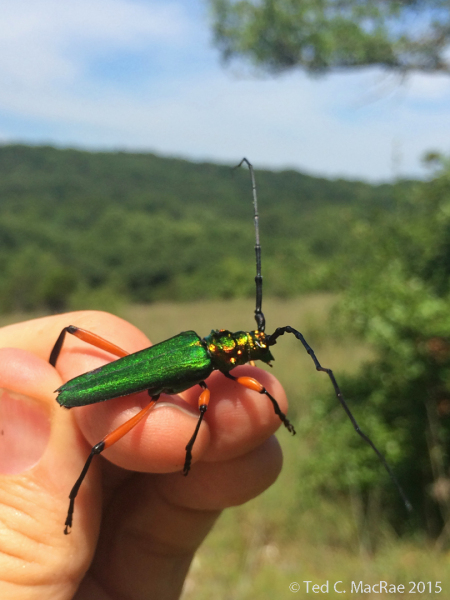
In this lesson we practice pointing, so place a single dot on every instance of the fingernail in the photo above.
(24, 432)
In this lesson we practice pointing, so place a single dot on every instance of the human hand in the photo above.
(134, 533)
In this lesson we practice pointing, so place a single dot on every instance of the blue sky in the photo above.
(143, 75)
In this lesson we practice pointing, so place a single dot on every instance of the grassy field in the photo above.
(288, 535)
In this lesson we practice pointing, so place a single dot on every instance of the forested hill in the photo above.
(78, 226)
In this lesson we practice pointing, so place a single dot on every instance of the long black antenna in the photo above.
(259, 315)
(271, 340)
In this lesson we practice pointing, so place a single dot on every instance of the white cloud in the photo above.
(114, 20)
(433, 88)
(346, 124)
(47, 41)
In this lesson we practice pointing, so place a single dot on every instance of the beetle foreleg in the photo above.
(252, 384)
(109, 439)
(86, 336)
(203, 402)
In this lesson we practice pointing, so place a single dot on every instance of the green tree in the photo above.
(324, 35)
(80, 229)
(398, 299)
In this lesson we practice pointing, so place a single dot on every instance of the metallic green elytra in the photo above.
(169, 367)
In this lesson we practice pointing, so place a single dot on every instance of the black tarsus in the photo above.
(59, 342)
(97, 449)
(271, 340)
(259, 315)
(188, 460)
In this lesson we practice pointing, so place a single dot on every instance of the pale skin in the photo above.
(134, 533)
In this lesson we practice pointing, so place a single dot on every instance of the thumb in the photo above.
(36, 559)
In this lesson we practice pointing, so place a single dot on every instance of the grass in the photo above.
(287, 534)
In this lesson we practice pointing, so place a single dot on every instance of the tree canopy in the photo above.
(397, 297)
(325, 35)
(78, 229)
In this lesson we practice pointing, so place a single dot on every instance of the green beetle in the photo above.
(179, 363)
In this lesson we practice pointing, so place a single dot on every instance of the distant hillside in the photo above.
(77, 228)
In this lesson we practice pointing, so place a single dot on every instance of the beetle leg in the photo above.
(86, 336)
(109, 439)
(253, 384)
(203, 402)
